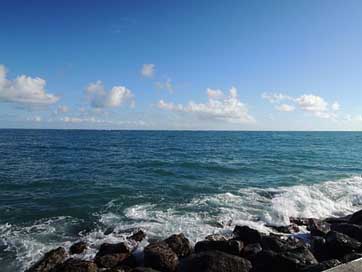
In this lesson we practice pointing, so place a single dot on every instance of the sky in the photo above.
(199, 65)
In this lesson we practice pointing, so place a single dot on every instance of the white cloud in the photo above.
(100, 98)
(312, 103)
(275, 97)
(24, 90)
(214, 93)
(335, 106)
(37, 119)
(148, 70)
(166, 85)
(228, 109)
(285, 108)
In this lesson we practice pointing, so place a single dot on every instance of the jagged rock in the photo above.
(356, 218)
(76, 265)
(247, 235)
(78, 248)
(350, 257)
(273, 243)
(352, 230)
(318, 227)
(319, 248)
(137, 236)
(233, 247)
(161, 257)
(251, 250)
(111, 255)
(292, 228)
(49, 261)
(179, 244)
(338, 220)
(216, 261)
(321, 266)
(339, 244)
(216, 237)
(144, 269)
(299, 221)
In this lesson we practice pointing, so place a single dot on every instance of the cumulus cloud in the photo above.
(100, 98)
(24, 90)
(214, 93)
(166, 85)
(223, 108)
(148, 70)
(310, 103)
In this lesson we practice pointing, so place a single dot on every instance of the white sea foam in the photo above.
(203, 215)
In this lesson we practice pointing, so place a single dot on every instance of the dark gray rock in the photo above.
(216, 261)
(318, 227)
(292, 228)
(321, 266)
(179, 244)
(112, 255)
(76, 265)
(251, 250)
(78, 248)
(356, 218)
(246, 234)
(137, 236)
(339, 244)
(350, 257)
(161, 257)
(49, 261)
(319, 248)
(352, 230)
(144, 269)
(233, 247)
(299, 221)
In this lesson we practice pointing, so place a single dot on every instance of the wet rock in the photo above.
(299, 221)
(78, 248)
(292, 228)
(350, 257)
(319, 248)
(278, 244)
(233, 247)
(339, 244)
(338, 220)
(144, 269)
(251, 250)
(247, 235)
(179, 244)
(76, 265)
(352, 230)
(318, 227)
(49, 261)
(161, 257)
(111, 255)
(321, 266)
(137, 236)
(356, 218)
(108, 231)
(216, 261)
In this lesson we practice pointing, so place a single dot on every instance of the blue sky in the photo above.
(234, 65)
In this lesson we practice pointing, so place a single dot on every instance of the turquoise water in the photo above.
(60, 185)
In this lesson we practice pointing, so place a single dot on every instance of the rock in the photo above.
(292, 228)
(339, 244)
(179, 244)
(137, 236)
(299, 221)
(143, 269)
(352, 230)
(318, 227)
(251, 250)
(78, 248)
(49, 261)
(338, 220)
(356, 218)
(76, 265)
(111, 255)
(108, 231)
(247, 235)
(161, 257)
(216, 237)
(350, 257)
(319, 248)
(321, 266)
(233, 247)
(216, 261)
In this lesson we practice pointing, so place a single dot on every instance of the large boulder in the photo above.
(76, 265)
(352, 230)
(112, 255)
(318, 227)
(251, 250)
(161, 257)
(356, 218)
(78, 248)
(339, 244)
(321, 266)
(319, 248)
(246, 234)
(137, 236)
(233, 247)
(179, 244)
(49, 261)
(216, 261)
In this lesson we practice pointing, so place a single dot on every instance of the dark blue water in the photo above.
(59, 185)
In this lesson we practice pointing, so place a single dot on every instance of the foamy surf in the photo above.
(203, 215)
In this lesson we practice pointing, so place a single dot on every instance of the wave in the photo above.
(203, 215)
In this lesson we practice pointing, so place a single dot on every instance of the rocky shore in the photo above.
(328, 243)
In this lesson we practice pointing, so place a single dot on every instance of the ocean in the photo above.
(58, 186)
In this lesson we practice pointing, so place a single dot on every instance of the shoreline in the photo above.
(327, 243)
